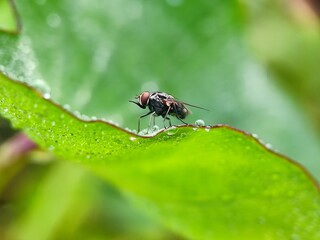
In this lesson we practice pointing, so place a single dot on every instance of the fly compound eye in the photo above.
(144, 98)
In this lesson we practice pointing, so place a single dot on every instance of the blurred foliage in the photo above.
(5, 130)
(61, 201)
(253, 63)
(286, 37)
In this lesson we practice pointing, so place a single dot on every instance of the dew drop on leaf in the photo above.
(172, 131)
(255, 135)
(46, 95)
(67, 107)
(41, 85)
(199, 123)
(268, 145)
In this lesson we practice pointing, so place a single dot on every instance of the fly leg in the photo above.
(170, 125)
(152, 117)
(166, 118)
(182, 121)
(144, 115)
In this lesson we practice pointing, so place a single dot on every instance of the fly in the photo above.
(164, 105)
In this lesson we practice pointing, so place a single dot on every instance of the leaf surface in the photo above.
(206, 183)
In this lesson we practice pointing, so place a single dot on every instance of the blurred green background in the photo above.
(254, 64)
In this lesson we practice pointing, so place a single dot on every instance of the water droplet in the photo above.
(172, 131)
(199, 123)
(41, 85)
(85, 117)
(77, 114)
(5, 110)
(53, 123)
(255, 135)
(269, 146)
(144, 132)
(67, 107)
(132, 138)
(46, 95)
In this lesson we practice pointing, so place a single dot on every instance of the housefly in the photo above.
(164, 105)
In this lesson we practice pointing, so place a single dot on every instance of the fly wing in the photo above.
(188, 104)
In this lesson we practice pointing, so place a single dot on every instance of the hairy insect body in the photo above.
(162, 104)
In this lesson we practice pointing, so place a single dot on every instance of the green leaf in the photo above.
(205, 183)
(8, 17)
(95, 56)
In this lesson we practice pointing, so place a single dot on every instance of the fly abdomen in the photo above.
(178, 109)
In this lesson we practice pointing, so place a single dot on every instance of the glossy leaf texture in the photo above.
(203, 183)
(94, 56)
